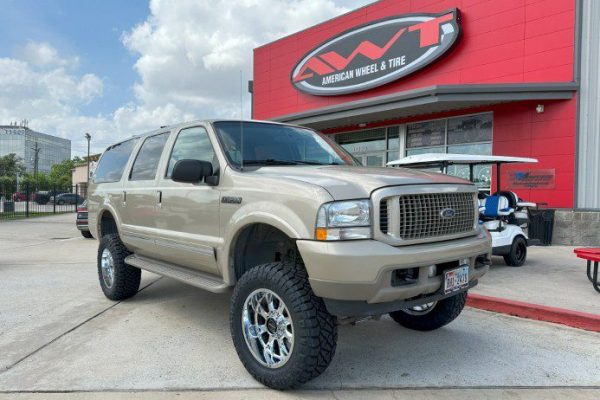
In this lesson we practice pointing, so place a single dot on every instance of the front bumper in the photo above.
(362, 270)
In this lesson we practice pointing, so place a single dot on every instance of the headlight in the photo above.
(344, 220)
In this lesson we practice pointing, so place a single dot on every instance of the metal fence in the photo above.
(38, 200)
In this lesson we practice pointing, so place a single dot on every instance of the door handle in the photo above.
(124, 198)
(159, 194)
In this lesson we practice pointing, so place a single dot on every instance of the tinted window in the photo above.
(146, 162)
(192, 144)
(113, 162)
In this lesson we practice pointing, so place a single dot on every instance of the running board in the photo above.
(191, 277)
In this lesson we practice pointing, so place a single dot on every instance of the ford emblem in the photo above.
(447, 213)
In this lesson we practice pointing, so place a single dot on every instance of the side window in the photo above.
(194, 144)
(146, 163)
(113, 161)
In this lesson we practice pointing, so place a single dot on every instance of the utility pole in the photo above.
(36, 159)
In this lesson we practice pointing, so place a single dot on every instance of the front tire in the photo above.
(282, 332)
(118, 280)
(431, 316)
(518, 252)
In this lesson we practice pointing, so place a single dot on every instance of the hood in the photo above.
(351, 182)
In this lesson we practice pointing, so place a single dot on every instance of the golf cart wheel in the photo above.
(118, 280)
(431, 316)
(518, 252)
(86, 234)
(282, 332)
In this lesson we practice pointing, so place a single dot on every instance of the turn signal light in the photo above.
(321, 233)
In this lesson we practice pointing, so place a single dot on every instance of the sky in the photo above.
(116, 68)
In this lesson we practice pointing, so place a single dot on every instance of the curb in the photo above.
(575, 319)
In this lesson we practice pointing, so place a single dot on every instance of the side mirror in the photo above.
(191, 171)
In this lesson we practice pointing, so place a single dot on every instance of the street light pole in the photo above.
(88, 137)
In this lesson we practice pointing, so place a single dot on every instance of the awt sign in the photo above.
(375, 54)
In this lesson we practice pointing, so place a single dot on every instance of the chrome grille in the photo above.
(420, 215)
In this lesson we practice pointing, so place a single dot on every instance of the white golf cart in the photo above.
(503, 213)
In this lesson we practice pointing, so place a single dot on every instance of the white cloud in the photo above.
(44, 55)
(41, 86)
(190, 54)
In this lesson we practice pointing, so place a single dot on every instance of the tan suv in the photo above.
(306, 236)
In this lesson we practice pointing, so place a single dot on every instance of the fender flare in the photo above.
(292, 226)
(107, 208)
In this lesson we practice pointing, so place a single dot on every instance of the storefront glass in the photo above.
(470, 134)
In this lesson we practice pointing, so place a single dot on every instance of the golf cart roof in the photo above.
(431, 160)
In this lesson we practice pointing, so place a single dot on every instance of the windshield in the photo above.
(271, 144)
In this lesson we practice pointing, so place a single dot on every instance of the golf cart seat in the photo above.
(497, 206)
(512, 197)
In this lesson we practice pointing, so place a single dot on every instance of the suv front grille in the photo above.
(420, 216)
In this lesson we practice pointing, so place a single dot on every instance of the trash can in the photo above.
(541, 224)
(8, 206)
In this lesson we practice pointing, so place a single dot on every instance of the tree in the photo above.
(61, 174)
(10, 165)
(41, 183)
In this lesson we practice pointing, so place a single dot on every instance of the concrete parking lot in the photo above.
(60, 337)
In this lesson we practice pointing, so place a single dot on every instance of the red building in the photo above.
(460, 76)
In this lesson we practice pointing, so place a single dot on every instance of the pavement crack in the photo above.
(11, 366)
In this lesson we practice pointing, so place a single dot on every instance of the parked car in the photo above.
(67, 198)
(42, 197)
(19, 196)
(306, 236)
(81, 222)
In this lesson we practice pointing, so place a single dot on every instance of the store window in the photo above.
(372, 146)
(470, 134)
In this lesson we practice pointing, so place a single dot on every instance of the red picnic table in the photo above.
(591, 255)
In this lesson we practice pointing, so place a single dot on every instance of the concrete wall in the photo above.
(576, 228)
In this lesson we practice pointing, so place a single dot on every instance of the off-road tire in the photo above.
(126, 279)
(86, 234)
(315, 330)
(444, 312)
(518, 252)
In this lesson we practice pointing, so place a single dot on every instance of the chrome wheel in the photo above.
(107, 265)
(421, 310)
(268, 329)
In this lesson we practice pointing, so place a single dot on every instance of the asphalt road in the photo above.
(60, 338)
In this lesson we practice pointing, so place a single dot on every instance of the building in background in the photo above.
(402, 77)
(25, 143)
(80, 173)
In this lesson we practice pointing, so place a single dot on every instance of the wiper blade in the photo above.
(270, 161)
(316, 162)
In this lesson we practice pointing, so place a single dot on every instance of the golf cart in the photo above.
(503, 213)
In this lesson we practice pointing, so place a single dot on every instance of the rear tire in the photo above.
(518, 252)
(86, 234)
(440, 314)
(303, 321)
(118, 280)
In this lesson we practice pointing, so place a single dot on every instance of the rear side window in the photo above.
(146, 162)
(113, 161)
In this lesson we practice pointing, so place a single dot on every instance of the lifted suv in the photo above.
(306, 236)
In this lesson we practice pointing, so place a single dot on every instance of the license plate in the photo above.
(456, 279)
